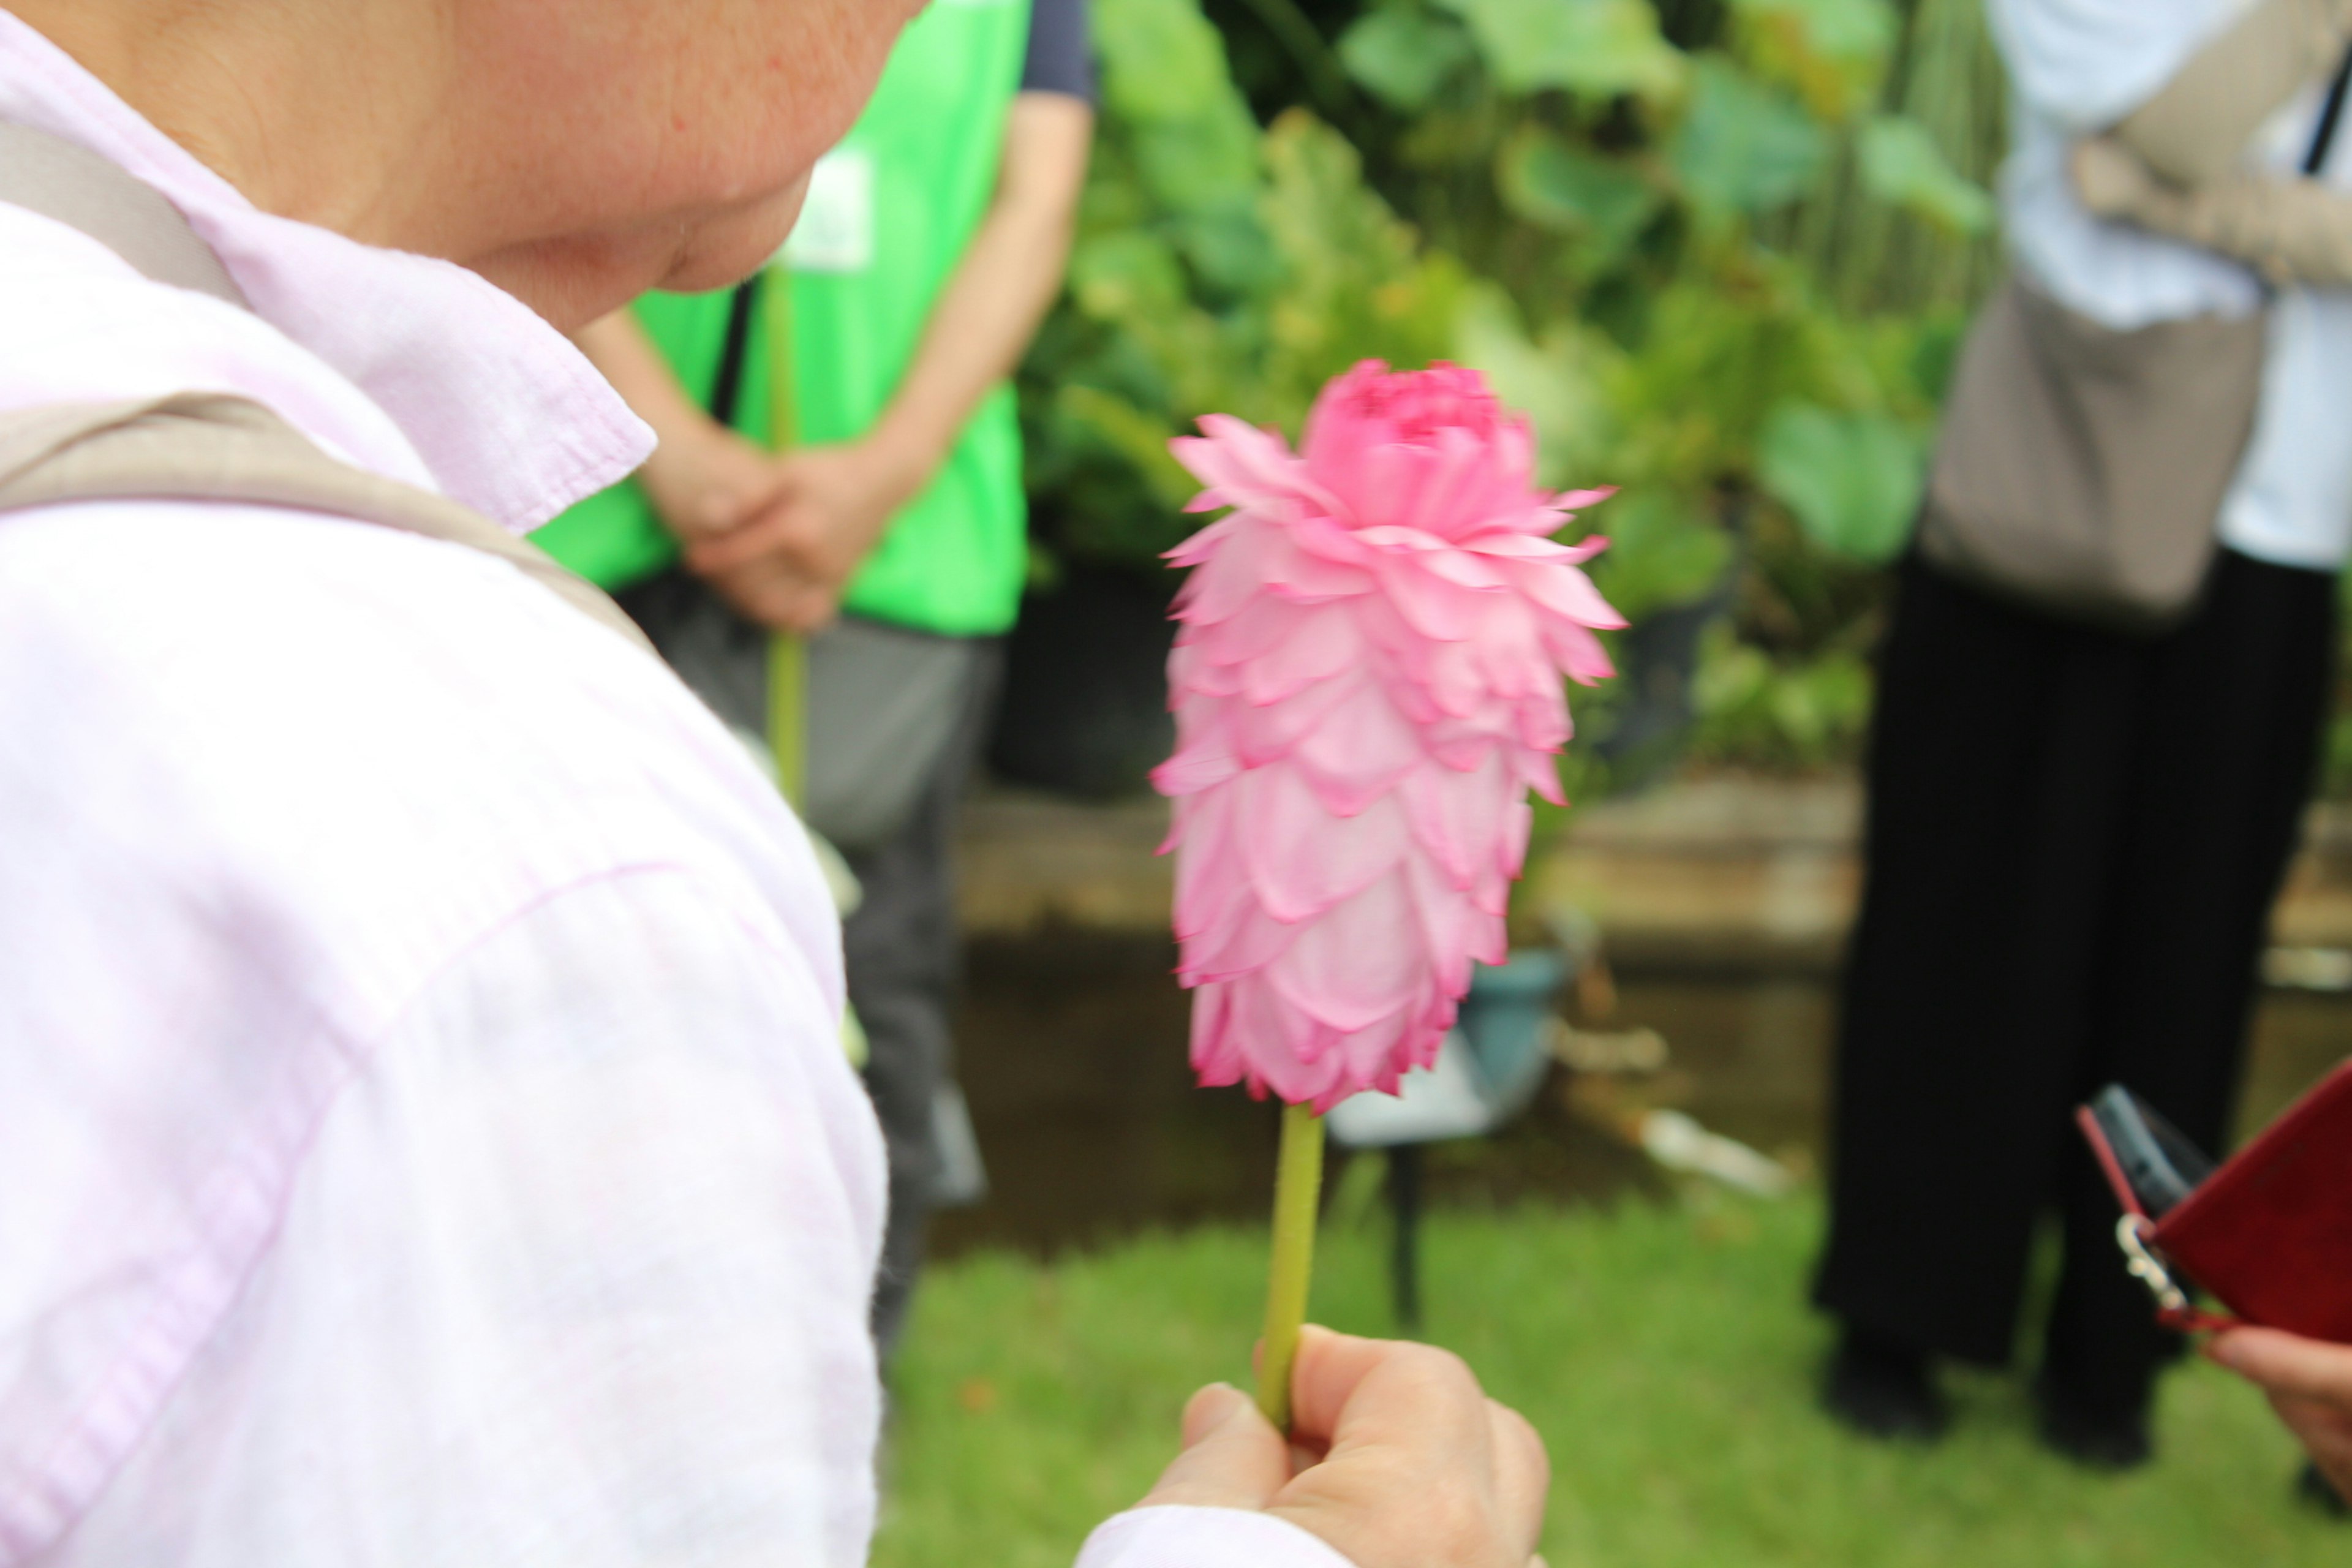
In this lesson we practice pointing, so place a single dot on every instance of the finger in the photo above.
(742, 544)
(1207, 1410)
(1307, 1447)
(808, 612)
(2323, 1431)
(1522, 1473)
(1232, 1457)
(765, 599)
(727, 506)
(2287, 1363)
(810, 608)
(1415, 1397)
(806, 619)
(1328, 1371)
(2313, 1421)
(767, 522)
(720, 511)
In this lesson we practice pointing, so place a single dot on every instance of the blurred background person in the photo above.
(840, 458)
(2075, 835)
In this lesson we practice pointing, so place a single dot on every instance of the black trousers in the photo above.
(2073, 842)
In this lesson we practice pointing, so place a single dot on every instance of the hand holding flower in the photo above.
(1397, 1458)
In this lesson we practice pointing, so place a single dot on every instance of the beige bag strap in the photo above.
(60, 180)
(212, 447)
(208, 445)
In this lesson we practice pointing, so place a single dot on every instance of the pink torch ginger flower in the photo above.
(1367, 681)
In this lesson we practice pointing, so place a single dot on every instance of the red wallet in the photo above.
(2268, 1234)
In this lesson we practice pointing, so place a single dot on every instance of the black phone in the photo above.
(2160, 1165)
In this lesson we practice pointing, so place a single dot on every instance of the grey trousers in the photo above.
(901, 943)
(904, 957)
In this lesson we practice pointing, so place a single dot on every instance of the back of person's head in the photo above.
(575, 151)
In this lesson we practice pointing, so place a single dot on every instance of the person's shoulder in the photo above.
(250, 606)
(383, 737)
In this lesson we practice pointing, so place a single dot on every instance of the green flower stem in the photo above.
(1297, 1184)
(788, 715)
(787, 654)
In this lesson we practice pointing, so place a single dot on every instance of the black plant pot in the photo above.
(1085, 711)
(1657, 663)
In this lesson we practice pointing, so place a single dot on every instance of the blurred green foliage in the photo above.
(1720, 250)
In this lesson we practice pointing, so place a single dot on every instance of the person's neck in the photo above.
(417, 125)
(321, 113)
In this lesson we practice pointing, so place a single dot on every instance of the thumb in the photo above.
(757, 528)
(716, 509)
(1232, 1457)
(724, 513)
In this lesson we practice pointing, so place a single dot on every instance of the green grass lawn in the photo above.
(1664, 1353)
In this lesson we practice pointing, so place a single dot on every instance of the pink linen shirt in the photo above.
(423, 1138)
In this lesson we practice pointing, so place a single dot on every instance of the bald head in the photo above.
(574, 152)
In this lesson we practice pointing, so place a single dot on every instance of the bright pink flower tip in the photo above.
(1369, 670)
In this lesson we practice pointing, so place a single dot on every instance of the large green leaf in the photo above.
(1170, 98)
(1161, 60)
(1851, 479)
(1356, 284)
(1663, 549)
(1197, 167)
(1839, 29)
(1556, 185)
(1139, 437)
(1404, 53)
(1902, 165)
(1119, 276)
(1834, 52)
(1802, 713)
(1555, 383)
(1599, 48)
(1228, 247)
(1744, 147)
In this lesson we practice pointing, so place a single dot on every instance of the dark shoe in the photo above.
(1885, 1390)
(2320, 1493)
(2113, 1437)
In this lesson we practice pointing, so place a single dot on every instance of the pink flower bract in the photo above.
(1367, 681)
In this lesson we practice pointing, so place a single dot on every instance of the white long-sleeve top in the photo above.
(2080, 66)
(424, 1135)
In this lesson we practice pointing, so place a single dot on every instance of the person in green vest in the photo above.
(840, 462)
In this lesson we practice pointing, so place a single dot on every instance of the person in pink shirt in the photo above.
(423, 1137)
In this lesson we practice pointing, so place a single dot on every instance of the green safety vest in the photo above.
(891, 212)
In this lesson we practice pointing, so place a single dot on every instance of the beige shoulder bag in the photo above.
(2082, 470)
